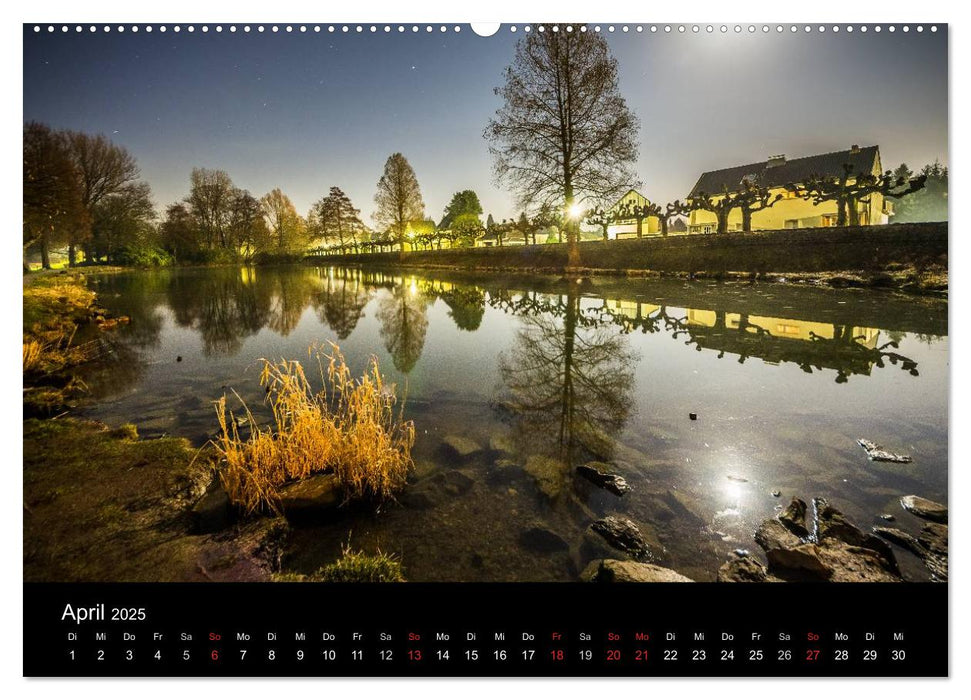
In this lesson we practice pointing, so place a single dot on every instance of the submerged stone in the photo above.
(460, 447)
(541, 539)
(548, 473)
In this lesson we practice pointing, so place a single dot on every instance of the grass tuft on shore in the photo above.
(350, 428)
(354, 566)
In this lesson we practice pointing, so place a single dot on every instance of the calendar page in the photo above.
(538, 349)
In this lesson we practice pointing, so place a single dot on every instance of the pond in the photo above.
(545, 374)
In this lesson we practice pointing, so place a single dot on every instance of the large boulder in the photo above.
(617, 571)
(924, 508)
(841, 552)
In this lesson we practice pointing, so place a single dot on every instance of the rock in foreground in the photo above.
(841, 552)
(616, 571)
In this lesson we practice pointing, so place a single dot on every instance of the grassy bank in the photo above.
(912, 256)
(103, 505)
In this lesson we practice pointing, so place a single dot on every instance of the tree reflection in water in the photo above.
(567, 381)
(404, 323)
(340, 304)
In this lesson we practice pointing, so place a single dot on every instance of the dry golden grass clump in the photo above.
(350, 427)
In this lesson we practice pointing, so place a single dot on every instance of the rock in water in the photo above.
(316, 497)
(742, 569)
(616, 571)
(622, 534)
(794, 518)
(772, 534)
(842, 553)
(596, 473)
(542, 539)
(924, 508)
(548, 473)
(460, 447)
(876, 453)
(931, 546)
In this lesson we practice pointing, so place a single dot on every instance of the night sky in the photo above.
(304, 112)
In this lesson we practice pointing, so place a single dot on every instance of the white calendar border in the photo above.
(700, 11)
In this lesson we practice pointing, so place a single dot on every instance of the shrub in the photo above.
(358, 567)
(349, 428)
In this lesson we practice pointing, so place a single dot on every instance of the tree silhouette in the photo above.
(602, 218)
(848, 190)
(51, 191)
(335, 218)
(398, 198)
(564, 133)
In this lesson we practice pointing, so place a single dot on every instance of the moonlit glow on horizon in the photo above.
(305, 111)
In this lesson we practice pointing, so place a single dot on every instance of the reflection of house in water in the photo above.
(782, 327)
(813, 345)
(810, 344)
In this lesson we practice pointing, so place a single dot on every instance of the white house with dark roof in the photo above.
(790, 212)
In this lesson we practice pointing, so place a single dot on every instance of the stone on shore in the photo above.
(924, 508)
(743, 569)
(617, 571)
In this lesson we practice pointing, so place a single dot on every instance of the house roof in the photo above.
(797, 170)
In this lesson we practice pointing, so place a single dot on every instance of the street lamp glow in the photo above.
(575, 211)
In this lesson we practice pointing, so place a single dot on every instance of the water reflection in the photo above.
(548, 373)
(404, 322)
(567, 382)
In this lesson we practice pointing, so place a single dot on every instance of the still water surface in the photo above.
(783, 381)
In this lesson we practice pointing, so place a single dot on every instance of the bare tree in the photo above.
(564, 133)
(398, 198)
(104, 169)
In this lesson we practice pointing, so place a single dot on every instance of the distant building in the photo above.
(627, 228)
(791, 211)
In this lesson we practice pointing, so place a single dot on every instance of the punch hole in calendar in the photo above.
(521, 350)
